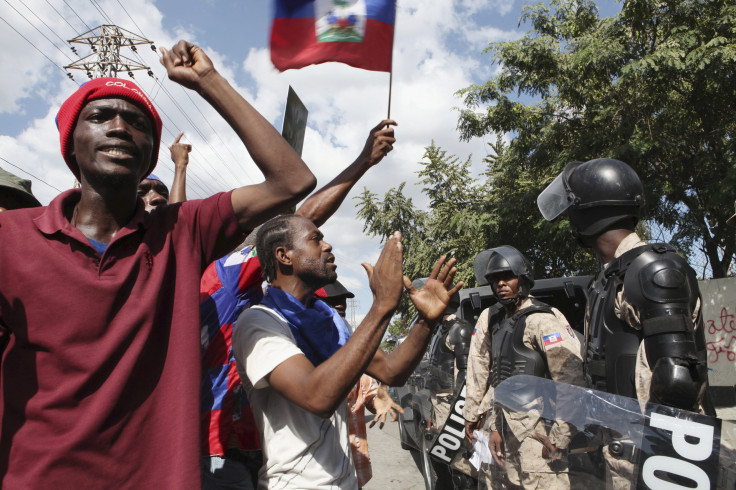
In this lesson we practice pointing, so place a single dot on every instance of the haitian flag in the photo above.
(355, 32)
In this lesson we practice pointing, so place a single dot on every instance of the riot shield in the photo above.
(613, 442)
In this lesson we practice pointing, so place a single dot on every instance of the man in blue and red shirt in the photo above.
(230, 444)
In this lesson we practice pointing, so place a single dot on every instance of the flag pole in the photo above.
(390, 84)
(391, 73)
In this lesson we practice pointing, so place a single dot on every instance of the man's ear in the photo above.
(283, 255)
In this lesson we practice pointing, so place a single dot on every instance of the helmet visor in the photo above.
(555, 199)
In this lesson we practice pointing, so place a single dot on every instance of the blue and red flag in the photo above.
(355, 32)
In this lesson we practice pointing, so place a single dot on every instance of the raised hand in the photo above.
(187, 64)
(432, 299)
(180, 151)
(380, 141)
(385, 276)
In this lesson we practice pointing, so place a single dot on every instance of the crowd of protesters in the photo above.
(105, 382)
(99, 378)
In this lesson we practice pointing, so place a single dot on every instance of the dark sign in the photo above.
(295, 121)
(450, 438)
(679, 450)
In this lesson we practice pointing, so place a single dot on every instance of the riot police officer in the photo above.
(643, 331)
(523, 336)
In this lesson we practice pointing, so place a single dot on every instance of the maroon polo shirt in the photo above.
(99, 382)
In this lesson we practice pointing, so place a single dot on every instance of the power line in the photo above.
(186, 93)
(37, 49)
(63, 18)
(29, 173)
(78, 17)
(63, 41)
(140, 31)
(39, 30)
(102, 12)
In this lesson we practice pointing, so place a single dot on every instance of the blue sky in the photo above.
(438, 50)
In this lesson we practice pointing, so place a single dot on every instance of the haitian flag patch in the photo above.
(569, 330)
(552, 338)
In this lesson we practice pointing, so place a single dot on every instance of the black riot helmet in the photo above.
(598, 195)
(507, 259)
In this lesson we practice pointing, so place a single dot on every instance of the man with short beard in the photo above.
(298, 363)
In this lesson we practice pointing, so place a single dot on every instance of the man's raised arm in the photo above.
(287, 178)
(322, 204)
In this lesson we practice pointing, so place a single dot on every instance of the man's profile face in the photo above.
(505, 284)
(113, 137)
(154, 193)
(312, 258)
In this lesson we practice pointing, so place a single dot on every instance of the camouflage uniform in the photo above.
(524, 463)
(478, 373)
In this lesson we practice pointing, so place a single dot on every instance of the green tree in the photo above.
(453, 225)
(653, 86)
(465, 216)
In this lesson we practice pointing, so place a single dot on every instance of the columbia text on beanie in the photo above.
(103, 88)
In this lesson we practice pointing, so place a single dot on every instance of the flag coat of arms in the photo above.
(356, 32)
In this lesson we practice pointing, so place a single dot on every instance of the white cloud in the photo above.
(437, 51)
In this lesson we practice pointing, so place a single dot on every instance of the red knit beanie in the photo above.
(103, 88)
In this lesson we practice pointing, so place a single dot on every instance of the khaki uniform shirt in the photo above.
(476, 377)
(564, 362)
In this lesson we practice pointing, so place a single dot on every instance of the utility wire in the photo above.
(102, 12)
(29, 173)
(39, 30)
(60, 15)
(36, 48)
(186, 93)
(63, 41)
(140, 31)
(78, 17)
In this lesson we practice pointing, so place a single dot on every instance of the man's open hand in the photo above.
(384, 405)
(431, 301)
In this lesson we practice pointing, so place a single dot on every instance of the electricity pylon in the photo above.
(106, 60)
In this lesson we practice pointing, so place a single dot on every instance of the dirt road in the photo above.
(393, 467)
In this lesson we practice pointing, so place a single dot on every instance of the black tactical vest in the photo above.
(441, 361)
(509, 354)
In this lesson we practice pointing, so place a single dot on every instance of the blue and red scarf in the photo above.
(319, 330)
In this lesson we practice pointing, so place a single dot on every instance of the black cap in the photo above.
(334, 290)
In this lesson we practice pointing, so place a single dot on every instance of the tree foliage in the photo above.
(450, 227)
(653, 86)
(466, 215)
